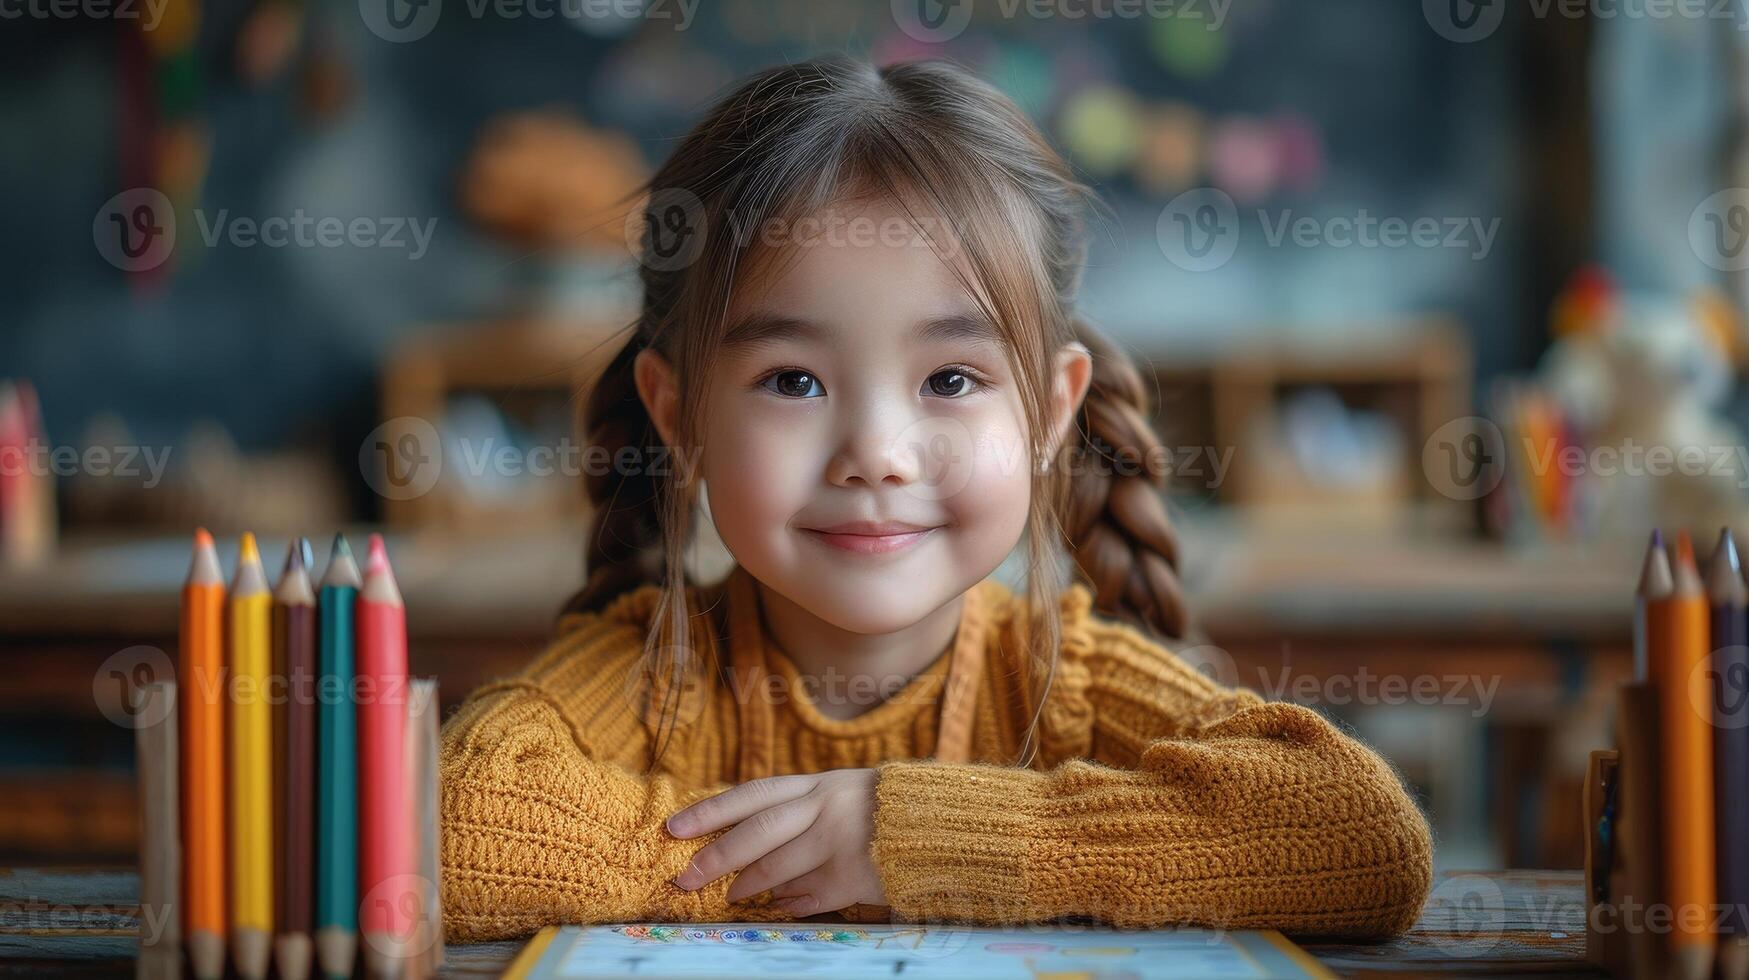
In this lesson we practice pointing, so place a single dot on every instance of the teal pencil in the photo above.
(336, 769)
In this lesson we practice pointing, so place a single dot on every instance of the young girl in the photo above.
(858, 350)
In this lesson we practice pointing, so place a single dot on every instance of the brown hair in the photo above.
(792, 140)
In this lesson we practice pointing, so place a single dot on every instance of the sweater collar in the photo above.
(754, 659)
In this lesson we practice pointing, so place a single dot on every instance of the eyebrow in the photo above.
(764, 328)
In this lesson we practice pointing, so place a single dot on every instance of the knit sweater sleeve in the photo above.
(547, 815)
(1200, 805)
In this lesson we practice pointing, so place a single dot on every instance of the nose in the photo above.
(873, 450)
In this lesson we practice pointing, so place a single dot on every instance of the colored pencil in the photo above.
(337, 770)
(14, 478)
(1656, 565)
(39, 502)
(160, 829)
(1729, 600)
(251, 766)
(294, 665)
(385, 854)
(202, 671)
(1676, 629)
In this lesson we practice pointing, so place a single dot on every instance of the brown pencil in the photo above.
(294, 665)
(1677, 634)
(1639, 829)
(1654, 570)
(160, 832)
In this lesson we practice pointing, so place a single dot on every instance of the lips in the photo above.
(870, 537)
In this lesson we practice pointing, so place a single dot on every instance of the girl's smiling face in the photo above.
(865, 448)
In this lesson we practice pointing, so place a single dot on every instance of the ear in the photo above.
(659, 390)
(1071, 376)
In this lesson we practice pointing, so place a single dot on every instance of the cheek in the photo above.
(993, 507)
(756, 473)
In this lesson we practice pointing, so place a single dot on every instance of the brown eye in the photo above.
(949, 384)
(795, 384)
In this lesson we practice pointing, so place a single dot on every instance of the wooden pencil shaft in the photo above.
(160, 838)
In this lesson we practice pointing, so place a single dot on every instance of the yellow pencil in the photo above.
(251, 765)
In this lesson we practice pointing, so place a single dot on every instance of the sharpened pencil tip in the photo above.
(246, 550)
(202, 538)
(294, 557)
(378, 555)
(339, 547)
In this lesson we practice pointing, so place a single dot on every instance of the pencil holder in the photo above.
(289, 823)
(1604, 944)
(1623, 863)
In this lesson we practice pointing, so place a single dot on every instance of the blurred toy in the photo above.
(1576, 367)
(1629, 413)
(544, 180)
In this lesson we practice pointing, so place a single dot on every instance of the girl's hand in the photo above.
(806, 837)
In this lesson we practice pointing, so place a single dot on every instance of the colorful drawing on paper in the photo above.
(911, 951)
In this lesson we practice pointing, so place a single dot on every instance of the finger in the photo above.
(787, 863)
(746, 842)
(805, 895)
(737, 803)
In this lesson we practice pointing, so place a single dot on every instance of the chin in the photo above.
(871, 611)
(870, 603)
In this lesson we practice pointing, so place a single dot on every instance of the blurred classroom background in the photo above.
(1445, 304)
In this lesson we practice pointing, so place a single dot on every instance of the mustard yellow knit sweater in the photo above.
(1157, 796)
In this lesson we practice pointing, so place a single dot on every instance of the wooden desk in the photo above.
(64, 923)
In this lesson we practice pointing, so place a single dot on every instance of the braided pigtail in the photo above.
(625, 545)
(1114, 517)
(637, 540)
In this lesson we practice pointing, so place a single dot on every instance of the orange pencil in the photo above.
(203, 759)
(387, 879)
(1677, 633)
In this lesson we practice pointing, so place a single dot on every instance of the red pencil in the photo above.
(387, 882)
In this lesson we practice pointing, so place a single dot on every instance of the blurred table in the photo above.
(1549, 624)
(58, 923)
(1244, 581)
